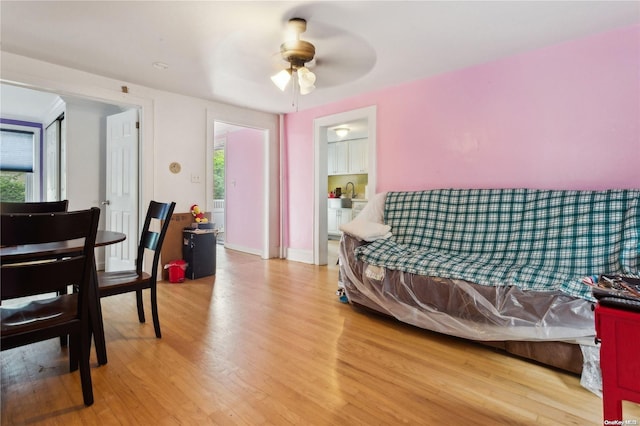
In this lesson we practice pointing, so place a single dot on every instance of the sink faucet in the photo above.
(353, 189)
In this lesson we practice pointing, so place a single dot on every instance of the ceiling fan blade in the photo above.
(341, 57)
(342, 60)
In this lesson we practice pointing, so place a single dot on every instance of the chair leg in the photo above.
(140, 306)
(74, 351)
(85, 368)
(95, 314)
(154, 311)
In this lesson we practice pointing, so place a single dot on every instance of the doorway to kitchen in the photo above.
(332, 150)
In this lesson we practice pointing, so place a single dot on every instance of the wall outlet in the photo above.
(195, 178)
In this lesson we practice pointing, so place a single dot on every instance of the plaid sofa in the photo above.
(543, 240)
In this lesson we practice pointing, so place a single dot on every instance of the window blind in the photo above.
(16, 150)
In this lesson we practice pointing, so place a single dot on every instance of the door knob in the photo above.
(105, 203)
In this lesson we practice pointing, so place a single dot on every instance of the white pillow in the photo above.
(365, 230)
(374, 210)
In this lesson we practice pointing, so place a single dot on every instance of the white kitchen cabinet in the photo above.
(358, 156)
(337, 217)
(338, 156)
(348, 157)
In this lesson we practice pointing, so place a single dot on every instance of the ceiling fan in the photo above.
(297, 53)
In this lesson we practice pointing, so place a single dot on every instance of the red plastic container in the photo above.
(176, 270)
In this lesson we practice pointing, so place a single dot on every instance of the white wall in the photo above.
(174, 128)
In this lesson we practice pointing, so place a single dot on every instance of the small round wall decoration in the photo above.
(175, 167)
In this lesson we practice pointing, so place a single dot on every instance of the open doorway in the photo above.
(74, 150)
(239, 166)
(346, 161)
(219, 185)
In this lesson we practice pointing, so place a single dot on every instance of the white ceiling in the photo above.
(227, 50)
(25, 104)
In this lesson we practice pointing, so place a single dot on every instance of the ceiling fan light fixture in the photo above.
(281, 79)
(306, 77)
(305, 90)
(306, 80)
(297, 53)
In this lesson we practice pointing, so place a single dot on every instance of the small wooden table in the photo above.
(32, 252)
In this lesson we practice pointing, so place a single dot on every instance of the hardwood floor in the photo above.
(268, 343)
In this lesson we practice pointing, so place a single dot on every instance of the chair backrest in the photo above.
(51, 272)
(152, 240)
(34, 207)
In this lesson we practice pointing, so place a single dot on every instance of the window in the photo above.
(16, 150)
(20, 144)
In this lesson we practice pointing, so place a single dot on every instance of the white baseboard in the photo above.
(249, 250)
(297, 255)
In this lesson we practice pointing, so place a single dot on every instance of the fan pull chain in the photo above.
(295, 93)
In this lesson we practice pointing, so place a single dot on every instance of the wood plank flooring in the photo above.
(268, 343)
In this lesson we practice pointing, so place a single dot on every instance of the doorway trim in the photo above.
(89, 94)
(320, 125)
(270, 203)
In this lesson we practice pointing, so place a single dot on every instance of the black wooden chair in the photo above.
(35, 318)
(34, 207)
(118, 282)
(37, 207)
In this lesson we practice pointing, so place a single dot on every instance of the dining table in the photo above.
(35, 252)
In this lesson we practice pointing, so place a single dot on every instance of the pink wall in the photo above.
(244, 161)
(548, 118)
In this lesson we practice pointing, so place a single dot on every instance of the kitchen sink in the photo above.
(340, 203)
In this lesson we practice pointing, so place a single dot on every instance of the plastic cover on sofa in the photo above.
(465, 309)
(471, 311)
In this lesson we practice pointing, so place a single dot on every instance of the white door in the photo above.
(121, 203)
